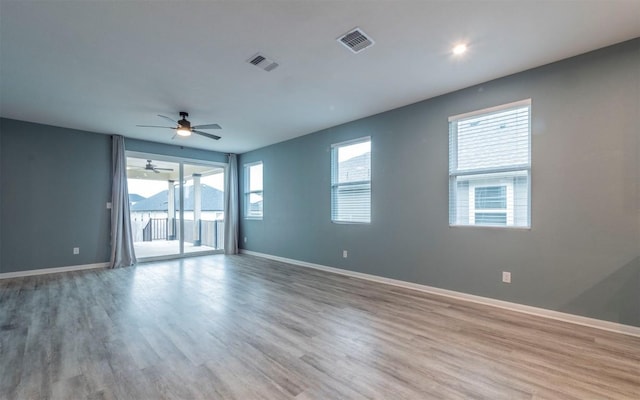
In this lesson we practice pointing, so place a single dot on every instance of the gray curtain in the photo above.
(231, 214)
(122, 254)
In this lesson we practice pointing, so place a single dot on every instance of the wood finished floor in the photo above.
(240, 327)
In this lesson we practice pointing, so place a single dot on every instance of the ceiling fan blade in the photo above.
(208, 126)
(163, 169)
(168, 119)
(155, 126)
(156, 171)
(214, 137)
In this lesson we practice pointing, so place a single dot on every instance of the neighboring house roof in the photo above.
(212, 200)
(134, 198)
(356, 168)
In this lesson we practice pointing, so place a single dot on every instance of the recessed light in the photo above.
(459, 49)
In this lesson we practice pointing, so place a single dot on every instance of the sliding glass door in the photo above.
(152, 188)
(203, 199)
(177, 206)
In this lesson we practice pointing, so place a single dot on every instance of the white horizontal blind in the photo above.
(253, 198)
(351, 181)
(489, 167)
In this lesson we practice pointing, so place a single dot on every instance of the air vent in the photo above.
(257, 60)
(263, 62)
(356, 40)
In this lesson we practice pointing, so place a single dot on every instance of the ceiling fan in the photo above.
(184, 127)
(151, 167)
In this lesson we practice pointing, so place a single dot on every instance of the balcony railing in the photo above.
(208, 233)
(159, 229)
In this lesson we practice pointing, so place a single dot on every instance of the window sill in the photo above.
(514, 228)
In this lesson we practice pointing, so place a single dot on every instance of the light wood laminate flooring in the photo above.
(241, 327)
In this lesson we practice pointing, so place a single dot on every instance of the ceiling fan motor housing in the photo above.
(183, 123)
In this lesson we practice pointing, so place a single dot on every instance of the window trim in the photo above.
(335, 185)
(248, 193)
(453, 175)
(489, 110)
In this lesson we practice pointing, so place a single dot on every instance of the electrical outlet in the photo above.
(345, 254)
(76, 250)
(506, 277)
(108, 205)
(245, 239)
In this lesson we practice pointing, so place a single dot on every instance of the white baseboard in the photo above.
(540, 312)
(18, 274)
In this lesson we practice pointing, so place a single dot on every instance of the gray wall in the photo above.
(1, 191)
(55, 186)
(582, 253)
(55, 183)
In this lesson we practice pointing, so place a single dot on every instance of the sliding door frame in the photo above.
(181, 161)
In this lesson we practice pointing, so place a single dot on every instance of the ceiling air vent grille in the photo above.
(356, 40)
(263, 62)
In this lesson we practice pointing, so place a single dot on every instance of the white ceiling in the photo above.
(105, 66)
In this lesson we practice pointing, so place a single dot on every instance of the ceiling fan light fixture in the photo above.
(183, 131)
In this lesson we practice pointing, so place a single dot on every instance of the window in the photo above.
(253, 203)
(490, 166)
(351, 181)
